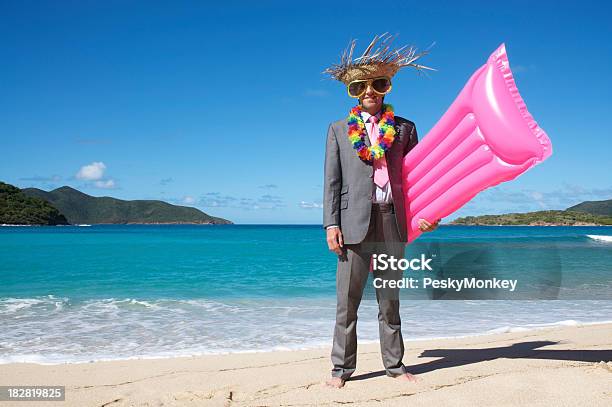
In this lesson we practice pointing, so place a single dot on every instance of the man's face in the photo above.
(371, 101)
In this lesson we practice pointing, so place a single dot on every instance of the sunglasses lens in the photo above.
(355, 89)
(381, 85)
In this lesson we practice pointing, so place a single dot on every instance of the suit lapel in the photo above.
(366, 139)
(394, 155)
(397, 141)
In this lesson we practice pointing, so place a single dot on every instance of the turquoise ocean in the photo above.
(102, 292)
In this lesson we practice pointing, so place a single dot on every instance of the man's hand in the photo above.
(428, 227)
(335, 241)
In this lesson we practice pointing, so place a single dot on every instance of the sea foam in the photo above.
(601, 238)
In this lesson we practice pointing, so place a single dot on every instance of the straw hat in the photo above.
(377, 60)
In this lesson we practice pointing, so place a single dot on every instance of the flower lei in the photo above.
(357, 134)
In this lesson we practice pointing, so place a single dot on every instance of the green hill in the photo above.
(561, 218)
(585, 213)
(17, 208)
(603, 208)
(80, 208)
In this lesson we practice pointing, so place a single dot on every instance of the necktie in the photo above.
(381, 175)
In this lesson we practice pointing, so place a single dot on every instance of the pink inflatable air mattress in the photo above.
(486, 137)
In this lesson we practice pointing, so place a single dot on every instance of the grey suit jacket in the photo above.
(348, 181)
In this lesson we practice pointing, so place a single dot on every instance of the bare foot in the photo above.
(336, 382)
(407, 377)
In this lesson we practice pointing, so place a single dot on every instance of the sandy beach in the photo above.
(562, 366)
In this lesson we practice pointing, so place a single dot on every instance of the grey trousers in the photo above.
(351, 277)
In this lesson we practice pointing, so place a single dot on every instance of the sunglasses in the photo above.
(381, 85)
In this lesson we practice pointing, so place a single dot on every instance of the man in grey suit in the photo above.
(364, 208)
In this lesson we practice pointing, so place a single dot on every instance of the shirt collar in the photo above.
(365, 116)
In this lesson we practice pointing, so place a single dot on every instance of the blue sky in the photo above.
(225, 108)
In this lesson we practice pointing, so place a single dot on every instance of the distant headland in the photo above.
(588, 213)
(66, 205)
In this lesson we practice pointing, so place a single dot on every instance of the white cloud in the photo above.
(264, 202)
(106, 184)
(310, 205)
(92, 172)
(189, 200)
